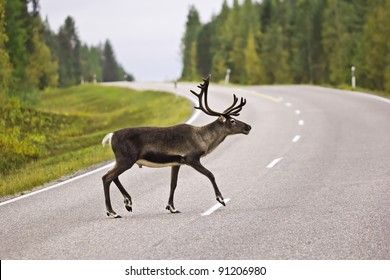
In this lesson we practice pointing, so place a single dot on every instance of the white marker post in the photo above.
(353, 78)
(227, 76)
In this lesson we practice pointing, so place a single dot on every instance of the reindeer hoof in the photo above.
(220, 200)
(172, 209)
(128, 205)
(113, 215)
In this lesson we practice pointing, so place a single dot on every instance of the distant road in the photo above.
(311, 181)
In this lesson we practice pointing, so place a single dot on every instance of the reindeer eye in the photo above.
(232, 121)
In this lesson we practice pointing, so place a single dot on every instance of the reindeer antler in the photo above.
(235, 111)
(232, 110)
(203, 92)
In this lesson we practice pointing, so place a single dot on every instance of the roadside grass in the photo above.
(62, 132)
(373, 92)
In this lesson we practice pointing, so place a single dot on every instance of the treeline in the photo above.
(292, 41)
(33, 57)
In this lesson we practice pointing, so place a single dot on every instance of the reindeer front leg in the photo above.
(195, 163)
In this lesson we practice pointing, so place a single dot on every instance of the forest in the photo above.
(292, 42)
(34, 57)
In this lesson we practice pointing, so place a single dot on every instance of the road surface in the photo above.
(310, 181)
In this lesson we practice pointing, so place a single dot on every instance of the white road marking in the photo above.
(58, 184)
(196, 113)
(297, 112)
(274, 162)
(296, 138)
(215, 207)
(288, 104)
(275, 99)
(301, 122)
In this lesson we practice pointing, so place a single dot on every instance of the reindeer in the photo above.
(174, 146)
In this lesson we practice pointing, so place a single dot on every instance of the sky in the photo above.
(146, 35)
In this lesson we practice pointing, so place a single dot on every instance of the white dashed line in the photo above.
(215, 207)
(296, 138)
(297, 112)
(288, 104)
(301, 122)
(274, 162)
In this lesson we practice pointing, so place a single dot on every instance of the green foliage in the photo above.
(63, 131)
(17, 30)
(377, 47)
(5, 65)
(254, 73)
(33, 57)
(91, 63)
(41, 69)
(275, 56)
(189, 46)
(110, 66)
(17, 143)
(301, 41)
(69, 54)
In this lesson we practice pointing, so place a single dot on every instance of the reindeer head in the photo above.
(232, 125)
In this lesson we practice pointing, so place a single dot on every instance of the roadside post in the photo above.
(227, 76)
(353, 77)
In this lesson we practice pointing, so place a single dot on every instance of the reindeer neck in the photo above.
(212, 134)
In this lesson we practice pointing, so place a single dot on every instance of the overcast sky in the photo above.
(145, 35)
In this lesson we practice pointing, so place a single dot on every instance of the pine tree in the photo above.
(220, 46)
(5, 65)
(42, 69)
(17, 30)
(189, 46)
(306, 40)
(203, 50)
(69, 53)
(275, 55)
(110, 65)
(234, 35)
(254, 73)
(338, 41)
(377, 47)
(91, 63)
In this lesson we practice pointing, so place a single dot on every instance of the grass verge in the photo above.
(62, 133)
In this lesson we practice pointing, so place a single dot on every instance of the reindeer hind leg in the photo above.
(126, 196)
(112, 175)
(174, 175)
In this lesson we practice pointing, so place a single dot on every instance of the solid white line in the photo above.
(296, 138)
(58, 184)
(301, 122)
(297, 112)
(215, 207)
(274, 162)
(196, 113)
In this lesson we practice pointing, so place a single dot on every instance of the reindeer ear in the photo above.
(222, 119)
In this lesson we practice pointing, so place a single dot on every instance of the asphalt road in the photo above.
(311, 181)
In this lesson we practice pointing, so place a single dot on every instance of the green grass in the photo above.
(62, 133)
(370, 91)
